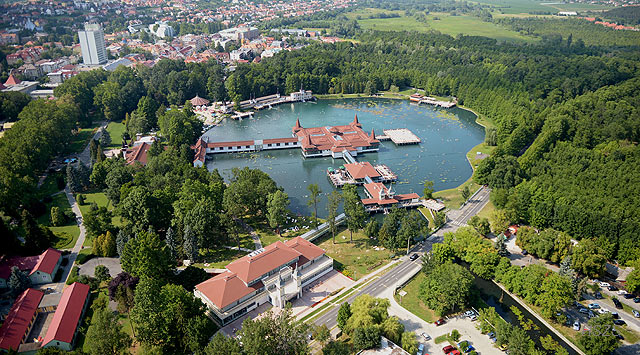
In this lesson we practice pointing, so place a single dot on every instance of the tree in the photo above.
(146, 256)
(274, 334)
(501, 247)
(372, 228)
(366, 338)
(18, 281)
(633, 281)
(105, 245)
(367, 311)
(344, 313)
(333, 203)
(190, 247)
(499, 221)
(102, 273)
(73, 180)
(221, 344)
(172, 243)
(321, 334)
(97, 221)
(600, 339)
(57, 217)
(121, 289)
(179, 127)
(392, 329)
(105, 138)
(37, 238)
(465, 193)
(440, 219)
(555, 293)
(353, 209)
(190, 277)
(105, 334)
(447, 288)
(337, 348)
(121, 240)
(589, 258)
(412, 226)
(314, 193)
(277, 203)
(428, 190)
(480, 224)
(409, 342)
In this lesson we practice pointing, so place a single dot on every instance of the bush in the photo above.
(73, 275)
(80, 199)
(47, 199)
(455, 335)
(83, 258)
(347, 273)
(57, 217)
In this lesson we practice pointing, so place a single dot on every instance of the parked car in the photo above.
(447, 349)
(612, 288)
(576, 325)
(597, 295)
(439, 322)
(591, 315)
(420, 349)
(622, 292)
(454, 352)
(615, 315)
(617, 303)
(594, 306)
(603, 311)
(635, 313)
(628, 296)
(604, 284)
(414, 256)
(469, 313)
(524, 252)
(426, 336)
(636, 300)
(619, 322)
(473, 318)
(583, 310)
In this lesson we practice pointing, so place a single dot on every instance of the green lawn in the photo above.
(411, 302)
(518, 6)
(115, 130)
(473, 26)
(355, 259)
(402, 23)
(67, 234)
(425, 212)
(50, 185)
(218, 258)
(101, 199)
(487, 210)
(80, 140)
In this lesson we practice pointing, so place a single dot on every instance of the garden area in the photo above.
(64, 226)
(115, 129)
(412, 303)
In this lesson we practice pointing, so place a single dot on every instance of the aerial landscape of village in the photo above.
(332, 177)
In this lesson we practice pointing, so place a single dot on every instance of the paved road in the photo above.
(389, 280)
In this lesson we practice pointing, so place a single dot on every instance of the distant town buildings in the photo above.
(162, 30)
(240, 33)
(92, 44)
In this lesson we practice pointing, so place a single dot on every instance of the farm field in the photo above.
(528, 6)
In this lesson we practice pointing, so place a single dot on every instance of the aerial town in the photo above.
(249, 177)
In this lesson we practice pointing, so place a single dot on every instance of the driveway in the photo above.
(89, 268)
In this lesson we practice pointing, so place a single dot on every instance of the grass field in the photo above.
(70, 228)
(473, 26)
(402, 23)
(81, 139)
(115, 130)
(530, 6)
(411, 302)
(99, 198)
(355, 259)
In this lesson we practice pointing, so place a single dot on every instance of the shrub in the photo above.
(83, 258)
(57, 216)
(73, 275)
(80, 199)
(455, 335)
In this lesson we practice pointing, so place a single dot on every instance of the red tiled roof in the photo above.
(138, 154)
(226, 288)
(24, 263)
(19, 318)
(279, 140)
(411, 196)
(47, 261)
(12, 80)
(334, 138)
(67, 316)
(375, 188)
(198, 101)
(308, 250)
(361, 170)
(250, 268)
(229, 144)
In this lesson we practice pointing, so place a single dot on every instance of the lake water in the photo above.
(446, 134)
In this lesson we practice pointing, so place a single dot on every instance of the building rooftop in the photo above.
(19, 318)
(65, 320)
(260, 262)
(361, 170)
(336, 138)
(47, 261)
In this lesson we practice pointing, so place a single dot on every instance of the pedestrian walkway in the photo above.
(78, 246)
(256, 238)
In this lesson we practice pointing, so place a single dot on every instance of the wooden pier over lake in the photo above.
(401, 136)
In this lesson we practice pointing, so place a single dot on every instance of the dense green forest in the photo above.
(628, 15)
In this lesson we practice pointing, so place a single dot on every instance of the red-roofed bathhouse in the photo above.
(20, 319)
(41, 268)
(64, 326)
(274, 274)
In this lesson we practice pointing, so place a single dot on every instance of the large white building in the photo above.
(94, 51)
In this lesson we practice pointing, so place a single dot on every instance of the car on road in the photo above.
(426, 336)
(594, 306)
(439, 322)
(414, 256)
(597, 295)
(628, 296)
(604, 284)
(612, 288)
(615, 315)
(636, 313)
(447, 349)
(636, 300)
(619, 322)
(576, 325)
(622, 292)
(603, 311)
(524, 252)
(617, 303)
(583, 310)
(420, 349)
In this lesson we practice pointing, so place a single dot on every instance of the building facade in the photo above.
(94, 51)
(275, 274)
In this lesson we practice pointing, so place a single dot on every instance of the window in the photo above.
(269, 145)
(248, 146)
(277, 144)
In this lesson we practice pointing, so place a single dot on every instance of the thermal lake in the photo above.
(446, 134)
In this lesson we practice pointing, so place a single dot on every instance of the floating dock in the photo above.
(401, 136)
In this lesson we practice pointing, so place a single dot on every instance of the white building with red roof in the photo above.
(274, 274)
(18, 323)
(335, 141)
(63, 328)
(380, 197)
(41, 268)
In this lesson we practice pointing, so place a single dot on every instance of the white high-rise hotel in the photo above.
(92, 44)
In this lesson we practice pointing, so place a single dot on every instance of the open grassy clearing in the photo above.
(473, 26)
(402, 23)
(80, 140)
(218, 258)
(517, 6)
(354, 259)
(100, 199)
(411, 302)
(425, 212)
(452, 198)
(115, 130)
